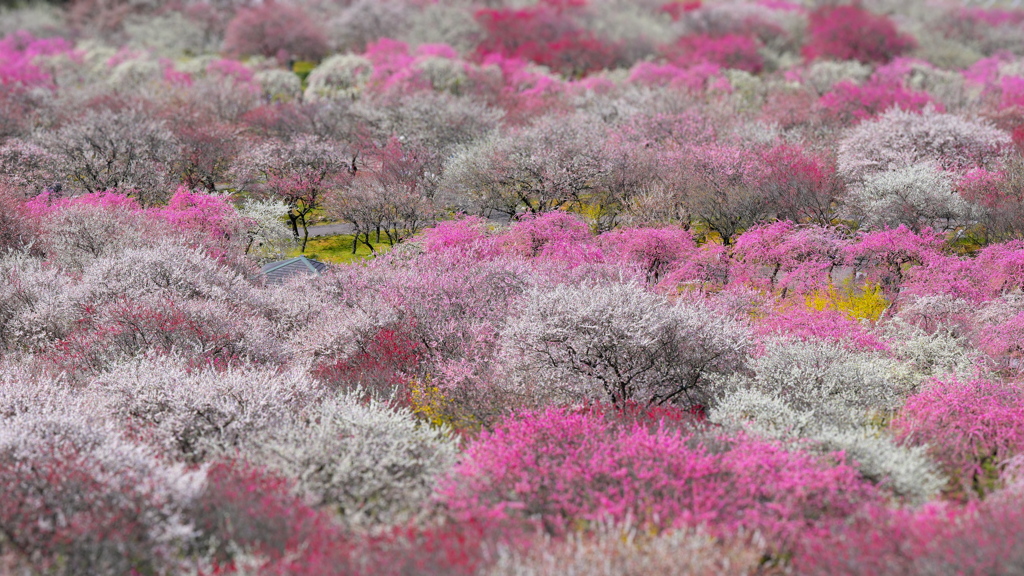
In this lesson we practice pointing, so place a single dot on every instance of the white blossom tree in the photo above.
(127, 150)
(620, 343)
(556, 162)
(900, 139)
(919, 196)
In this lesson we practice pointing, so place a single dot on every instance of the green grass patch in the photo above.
(338, 249)
(302, 68)
(967, 242)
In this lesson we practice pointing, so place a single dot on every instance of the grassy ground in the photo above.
(338, 249)
(302, 68)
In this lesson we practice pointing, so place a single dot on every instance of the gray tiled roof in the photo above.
(283, 270)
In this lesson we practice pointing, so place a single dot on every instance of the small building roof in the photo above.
(283, 270)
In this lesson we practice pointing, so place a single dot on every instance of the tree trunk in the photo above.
(305, 232)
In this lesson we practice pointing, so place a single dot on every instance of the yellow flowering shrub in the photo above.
(429, 403)
(864, 303)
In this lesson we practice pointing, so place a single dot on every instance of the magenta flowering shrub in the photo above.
(466, 233)
(522, 90)
(849, 103)
(205, 214)
(707, 271)
(398, 70)
(48, 202)
(971, 428)
(534, 234)
(546, 34)
(695, 79)
(957, 277)
(728, 51)
(563, 468)
(853, 33)
(801, 186)
(18, 54)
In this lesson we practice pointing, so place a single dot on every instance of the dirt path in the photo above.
(330, 229)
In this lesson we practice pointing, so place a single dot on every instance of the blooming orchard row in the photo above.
(757, 304)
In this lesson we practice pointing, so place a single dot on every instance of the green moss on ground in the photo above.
(338, 249)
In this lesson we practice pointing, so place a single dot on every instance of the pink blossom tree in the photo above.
(801, 187)
(301, 172)
(18, 67)
(884, 255)
(798, 259)
(206, 150)
(939, 537)
(1000, 194)
(727, 51)
(83, 499)
(547, 35)
(276, 30)
(849, 103)
(655, 251)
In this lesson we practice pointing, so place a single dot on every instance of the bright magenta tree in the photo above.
(853, 33)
